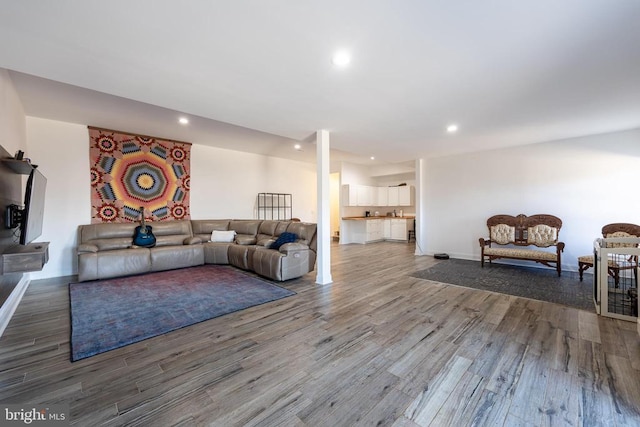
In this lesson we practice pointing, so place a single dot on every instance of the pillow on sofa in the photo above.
(282, 239)
(223, 236)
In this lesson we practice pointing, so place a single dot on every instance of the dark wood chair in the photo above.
(619, 229)
(411, 233)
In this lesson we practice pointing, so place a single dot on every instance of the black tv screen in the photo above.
(33, 213)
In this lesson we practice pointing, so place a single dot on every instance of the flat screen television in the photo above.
(31, 217)
(33, 214)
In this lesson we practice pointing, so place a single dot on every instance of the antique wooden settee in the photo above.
(532, 238)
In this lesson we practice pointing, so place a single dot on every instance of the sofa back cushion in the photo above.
(267, 227)
(202, 228)
(269, 231)
(107, 236)
(306, 233)
(171, 233)
(120, 236)
(245, 226)
(266, 232)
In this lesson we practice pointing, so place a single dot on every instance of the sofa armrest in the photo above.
(560, 247)
(192, 240)
(485, 242)
(87, 248)
(288, 248)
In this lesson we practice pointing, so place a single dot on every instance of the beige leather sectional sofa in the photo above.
(106, 250)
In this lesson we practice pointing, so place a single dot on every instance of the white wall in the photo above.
(587, 182)
(61, 151)
(13, 134)
(224, 184)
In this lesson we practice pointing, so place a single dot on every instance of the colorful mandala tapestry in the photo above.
(130, 172)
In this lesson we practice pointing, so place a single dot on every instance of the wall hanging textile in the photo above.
(130, 172)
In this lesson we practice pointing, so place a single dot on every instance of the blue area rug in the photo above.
(108, 314)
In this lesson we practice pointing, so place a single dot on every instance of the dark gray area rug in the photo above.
(529, 282)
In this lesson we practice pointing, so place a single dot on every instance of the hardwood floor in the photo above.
(376, 347)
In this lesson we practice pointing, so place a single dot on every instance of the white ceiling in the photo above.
(508, 72)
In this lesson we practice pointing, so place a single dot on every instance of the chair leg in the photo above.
(582, 267)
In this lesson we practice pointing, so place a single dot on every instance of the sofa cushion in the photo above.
(245, 239)
(264, 241)
(113, 243)
(106, 231)
(306, 233)
(171, 233)
(285, 237)
(268, 227)
(245, 226)
(202, 228)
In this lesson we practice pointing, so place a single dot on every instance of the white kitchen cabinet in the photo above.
(383, 196)
(358, 195)
(398, 229)
(394, 196)
(405, 195)
(349, 195)
(375, 229)
(365, 195)
(386, 229)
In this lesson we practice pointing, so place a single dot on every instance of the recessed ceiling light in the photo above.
(452, 128)
(183, 121)
(372, 158)
(341, 58)
(297, 147)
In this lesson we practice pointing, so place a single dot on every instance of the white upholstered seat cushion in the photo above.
(521, 253)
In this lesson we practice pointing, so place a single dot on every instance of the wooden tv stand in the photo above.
(24, 258)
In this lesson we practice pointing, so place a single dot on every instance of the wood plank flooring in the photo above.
(375, 348)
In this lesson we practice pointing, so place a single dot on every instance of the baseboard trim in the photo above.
(10, 305)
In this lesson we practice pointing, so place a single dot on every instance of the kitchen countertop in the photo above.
(360, 218)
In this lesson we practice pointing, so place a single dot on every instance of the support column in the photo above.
(323, 238)
(421, 214)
